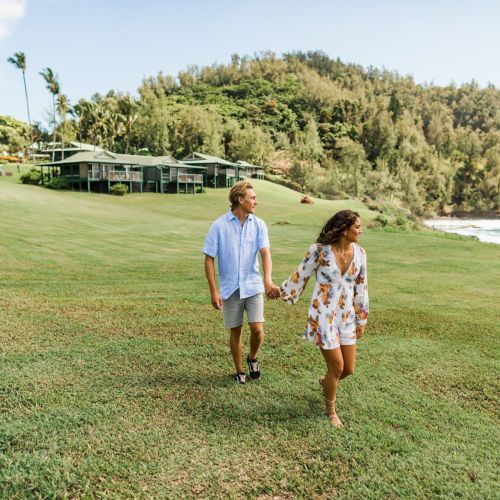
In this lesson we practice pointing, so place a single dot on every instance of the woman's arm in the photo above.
(361, 302)
(294, 286)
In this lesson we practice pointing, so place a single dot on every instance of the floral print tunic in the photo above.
(339, 301)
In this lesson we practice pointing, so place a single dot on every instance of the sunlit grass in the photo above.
(114, 374)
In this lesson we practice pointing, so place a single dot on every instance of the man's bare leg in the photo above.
(256, 338)
(236, 346)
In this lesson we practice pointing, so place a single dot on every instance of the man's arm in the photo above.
(272, 291)
(215, 297)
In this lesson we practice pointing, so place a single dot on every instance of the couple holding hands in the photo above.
(339, 305)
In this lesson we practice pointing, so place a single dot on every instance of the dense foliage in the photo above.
(13, 134)
(33, 176)
(57, 183)
(119, 189)
(327, 126)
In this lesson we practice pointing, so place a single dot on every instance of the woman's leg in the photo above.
(335, 367)
(349, 356)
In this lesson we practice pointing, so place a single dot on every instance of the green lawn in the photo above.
(114, 373)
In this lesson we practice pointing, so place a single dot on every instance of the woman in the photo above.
(339, 305)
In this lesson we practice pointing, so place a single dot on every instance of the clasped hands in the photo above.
(272, 291)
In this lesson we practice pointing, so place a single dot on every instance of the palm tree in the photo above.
(63, 109)
(19, 61)
(83, 110)
(129, 111)
(54, 88)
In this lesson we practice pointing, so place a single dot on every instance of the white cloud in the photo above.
(10, 12)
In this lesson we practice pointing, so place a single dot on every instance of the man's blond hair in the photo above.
(239, 190)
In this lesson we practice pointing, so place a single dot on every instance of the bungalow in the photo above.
(246, 170)
(98, 171)
(219, 173)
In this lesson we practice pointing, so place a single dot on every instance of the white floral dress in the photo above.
(339, 301)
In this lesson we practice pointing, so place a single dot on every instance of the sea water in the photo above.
(485, 229)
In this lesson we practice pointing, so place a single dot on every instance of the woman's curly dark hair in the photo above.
(333, 229)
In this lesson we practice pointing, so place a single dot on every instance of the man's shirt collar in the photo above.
(231, 216)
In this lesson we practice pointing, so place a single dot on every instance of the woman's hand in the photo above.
(272, 291)
(360, 330)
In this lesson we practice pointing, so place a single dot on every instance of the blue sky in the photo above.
(99, 45)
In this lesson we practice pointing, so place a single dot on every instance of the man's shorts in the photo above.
(234, 308)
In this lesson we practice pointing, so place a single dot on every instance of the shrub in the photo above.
(119, 189)
(58, 183)
(402, 221)
(382, 220)
(31, 177)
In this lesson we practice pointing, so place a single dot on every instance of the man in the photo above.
(235, 239)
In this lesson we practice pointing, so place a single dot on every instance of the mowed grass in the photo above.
(114, 373)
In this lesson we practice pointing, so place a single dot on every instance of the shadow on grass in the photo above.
(215, 401)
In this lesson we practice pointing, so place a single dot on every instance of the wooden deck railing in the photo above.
(120, 175)
(115, 175)
(190, 178)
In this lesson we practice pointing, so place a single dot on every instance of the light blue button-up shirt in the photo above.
(236, 248)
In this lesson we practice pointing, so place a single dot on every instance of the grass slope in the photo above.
(114, 367)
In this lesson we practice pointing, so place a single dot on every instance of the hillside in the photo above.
(329, 127)
(115, 369)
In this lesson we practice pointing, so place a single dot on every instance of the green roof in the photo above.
(106, 157)
(242, 163)
(203, 159)
(72, 146)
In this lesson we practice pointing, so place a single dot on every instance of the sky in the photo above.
(102, 45)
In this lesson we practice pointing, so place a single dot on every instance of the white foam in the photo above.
(487, 230)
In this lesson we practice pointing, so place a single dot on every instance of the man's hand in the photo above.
(216, 300)
(360, 330)
(272, 291)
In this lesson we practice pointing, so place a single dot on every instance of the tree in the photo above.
(83, 111)
(63, 109)
(352, 159)
(197, 129)
(154, 124)
(129, 112)
(54, 88)
(309, 147)
(12, 134)
(19, 61)
(251, 144)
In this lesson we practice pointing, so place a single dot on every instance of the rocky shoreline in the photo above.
(474, 214)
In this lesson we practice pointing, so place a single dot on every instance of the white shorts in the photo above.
(234, 308)
(341, 334)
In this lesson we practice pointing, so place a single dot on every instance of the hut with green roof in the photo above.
(246, 170)
(98, 171)
(222, 173)
(219, 173)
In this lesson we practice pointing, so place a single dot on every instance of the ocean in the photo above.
(485, 229)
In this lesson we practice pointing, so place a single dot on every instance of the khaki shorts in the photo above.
(234, 308)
